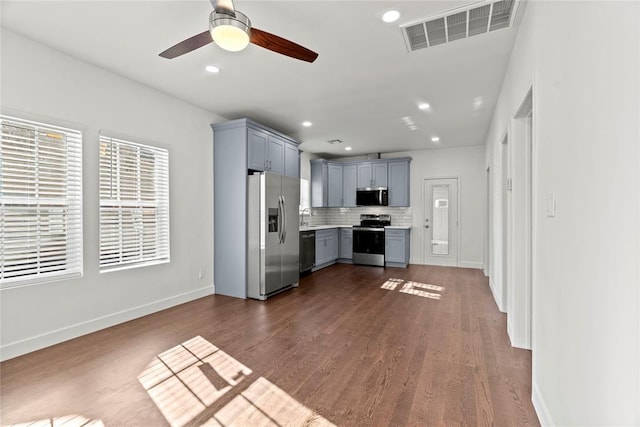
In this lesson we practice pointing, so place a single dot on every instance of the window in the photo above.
(134, 204)
(40, 201)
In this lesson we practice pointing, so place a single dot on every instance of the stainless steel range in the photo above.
(368, 239)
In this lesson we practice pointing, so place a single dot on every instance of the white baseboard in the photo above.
(471, 264)
(57, 336)
(540, 407)
(497, 296)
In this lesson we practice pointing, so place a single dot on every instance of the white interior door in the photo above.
(440, 223)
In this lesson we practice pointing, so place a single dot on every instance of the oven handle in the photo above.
(367, 229)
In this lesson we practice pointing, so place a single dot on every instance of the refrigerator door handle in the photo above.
(280, 219)
(284, 219)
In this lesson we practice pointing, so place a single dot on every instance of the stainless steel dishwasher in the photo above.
(307, 250)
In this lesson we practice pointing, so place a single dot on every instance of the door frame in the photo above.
(424, 212)
(522, 219)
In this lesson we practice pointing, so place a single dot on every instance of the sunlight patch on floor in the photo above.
(414, 288)
(184, 380)
(391, 284)
(189, 378)
(264, 404)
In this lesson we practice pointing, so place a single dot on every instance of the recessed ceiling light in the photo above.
(391, 16)
(307, 124)
(347, 148)
(435, 139)
(212, 69)
(423, 106)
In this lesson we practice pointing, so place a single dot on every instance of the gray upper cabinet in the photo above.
(399, 183)
(275, 155)
(319, 183)
(372, 174)
(349, 185)
(271, 152)
(334, 184)
(258, 141)
(334, 176)
(291, 160)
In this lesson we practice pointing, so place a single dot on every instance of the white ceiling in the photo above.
(358, 90)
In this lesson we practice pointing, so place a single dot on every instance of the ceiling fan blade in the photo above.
(282, 46)
(224, 6)
(186, 46)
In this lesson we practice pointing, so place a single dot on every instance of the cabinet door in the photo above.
(291, 160)
(321, 249)
(334, 196)
(275, 155)
(394, 249)
(333, 245)
(364, 175)
(346, 243)
(379, 175)
(319, 184)
(399, 183)
(258, 141)
(349, 185)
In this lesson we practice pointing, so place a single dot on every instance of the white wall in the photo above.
(583, 60)
(468, 165)
(48, 85)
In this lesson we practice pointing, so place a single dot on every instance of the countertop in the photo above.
(326, 227)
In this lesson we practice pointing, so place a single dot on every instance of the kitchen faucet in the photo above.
(302, 223)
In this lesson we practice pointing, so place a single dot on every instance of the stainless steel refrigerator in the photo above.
(272, 233)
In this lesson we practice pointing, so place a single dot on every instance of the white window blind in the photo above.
(41, 202)
(134, 204)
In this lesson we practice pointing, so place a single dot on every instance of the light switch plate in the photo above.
(551, 204)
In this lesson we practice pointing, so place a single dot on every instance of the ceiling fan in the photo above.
(231, 30)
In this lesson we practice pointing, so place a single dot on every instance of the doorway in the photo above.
(440, 223)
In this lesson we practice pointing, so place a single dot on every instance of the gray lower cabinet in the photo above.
(326, 247)
(396, 247)
(346, 244)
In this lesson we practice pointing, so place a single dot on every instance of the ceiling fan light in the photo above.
(228, 32)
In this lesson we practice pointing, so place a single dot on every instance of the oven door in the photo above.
(368, 246)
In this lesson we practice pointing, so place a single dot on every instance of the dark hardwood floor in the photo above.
(338, 349)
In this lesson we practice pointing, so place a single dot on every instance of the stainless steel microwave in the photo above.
(372, 197)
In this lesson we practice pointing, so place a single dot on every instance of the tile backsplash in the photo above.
(351, 216)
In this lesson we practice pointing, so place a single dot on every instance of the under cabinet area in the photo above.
(396, 242)
(334, 184)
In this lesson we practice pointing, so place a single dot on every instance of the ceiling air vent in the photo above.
(478, 18)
